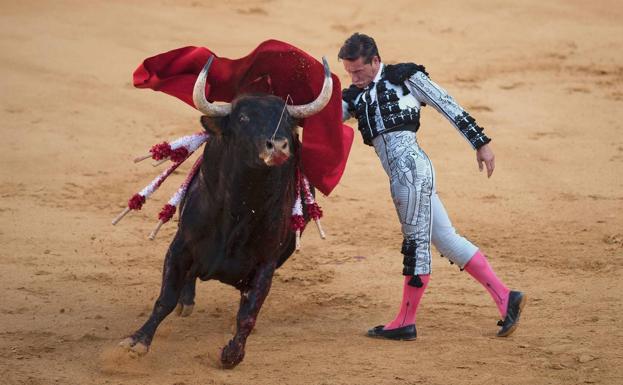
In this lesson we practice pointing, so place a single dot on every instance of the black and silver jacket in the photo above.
(392, 102)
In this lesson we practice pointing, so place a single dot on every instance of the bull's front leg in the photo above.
(176, 265)
(250, 303)
(186, 303)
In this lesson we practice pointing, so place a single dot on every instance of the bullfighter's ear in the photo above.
(214, 126)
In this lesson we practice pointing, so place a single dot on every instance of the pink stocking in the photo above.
(411, 297)
(479, 268)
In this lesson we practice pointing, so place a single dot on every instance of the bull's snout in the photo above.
(279, 144)
(276, 151)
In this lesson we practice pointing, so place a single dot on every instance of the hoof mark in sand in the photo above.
(613, 239)
(546, 134)
(581, 90)
(347, 28)
(479, 108)
(252, 11)
(511, 86)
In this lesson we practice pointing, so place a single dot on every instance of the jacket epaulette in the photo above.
(398, 73)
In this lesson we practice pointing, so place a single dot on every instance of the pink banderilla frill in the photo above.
(181, 149)
(178, 151)
(297, 221)
(169, 209)
(137, 200)
(313, 210)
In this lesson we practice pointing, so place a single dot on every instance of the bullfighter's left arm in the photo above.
(427, 91)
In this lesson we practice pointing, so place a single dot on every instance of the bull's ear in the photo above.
(214, 126)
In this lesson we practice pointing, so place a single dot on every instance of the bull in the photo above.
(235, 220)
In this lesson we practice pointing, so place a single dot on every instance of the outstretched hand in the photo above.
(485, 155)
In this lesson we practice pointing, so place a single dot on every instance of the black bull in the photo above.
(235, 221)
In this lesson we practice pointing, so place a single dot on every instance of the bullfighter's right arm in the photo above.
(345, 112)
(349, 96)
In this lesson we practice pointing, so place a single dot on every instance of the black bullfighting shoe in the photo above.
(516, 302)
(405, 333)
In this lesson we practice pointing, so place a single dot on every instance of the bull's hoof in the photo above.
(231, 355)
(134, 346)
(183, 310)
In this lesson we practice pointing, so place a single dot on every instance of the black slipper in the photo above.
(516, 302)
(405, 333)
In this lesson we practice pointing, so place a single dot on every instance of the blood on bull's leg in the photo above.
(251, 301)
(186, 302)
(176, 264)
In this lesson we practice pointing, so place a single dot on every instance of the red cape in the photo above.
(274, 67)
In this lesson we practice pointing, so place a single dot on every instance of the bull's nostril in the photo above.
(285, 145)
(269, 144)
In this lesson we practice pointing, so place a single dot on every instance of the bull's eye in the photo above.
(243, 118)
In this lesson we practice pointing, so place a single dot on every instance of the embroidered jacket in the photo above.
(393, 100)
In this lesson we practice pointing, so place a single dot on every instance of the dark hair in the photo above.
(359, 45)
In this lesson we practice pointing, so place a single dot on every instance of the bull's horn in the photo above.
(199, 97)
(321, 101)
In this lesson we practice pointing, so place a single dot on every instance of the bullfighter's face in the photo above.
(362, 73)
(263, 128)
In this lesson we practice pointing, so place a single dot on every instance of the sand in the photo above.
(544, 78)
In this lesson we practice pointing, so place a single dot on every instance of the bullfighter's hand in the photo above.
(485, 155)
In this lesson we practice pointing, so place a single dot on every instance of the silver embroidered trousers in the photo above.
(420, 211)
